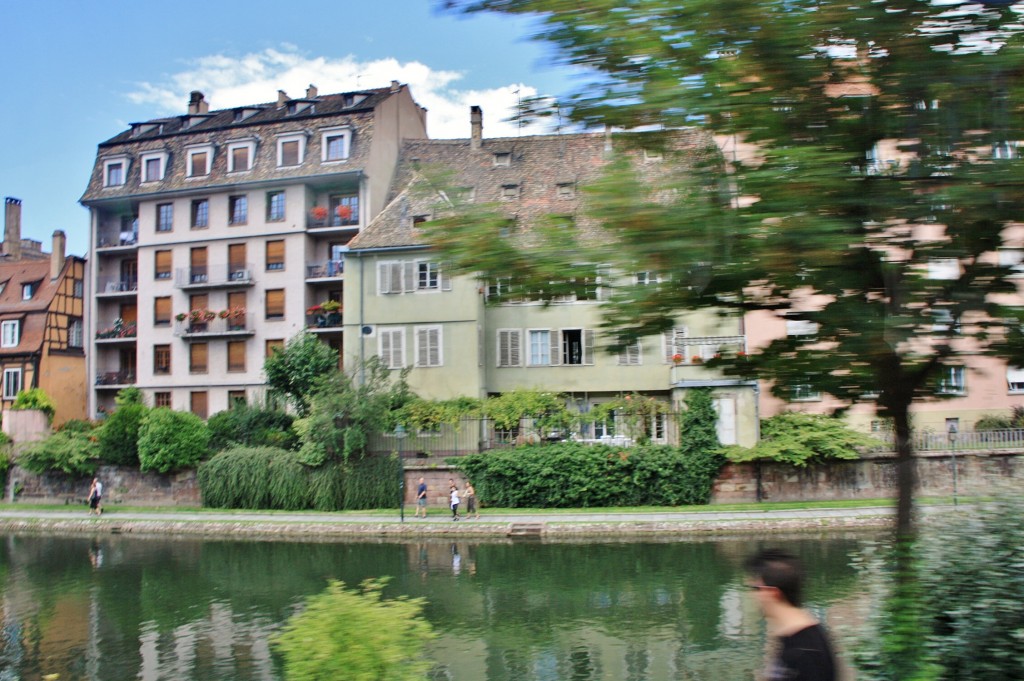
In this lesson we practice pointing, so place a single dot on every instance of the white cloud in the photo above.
(255, 78)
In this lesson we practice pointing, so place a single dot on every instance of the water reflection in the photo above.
(117, 607)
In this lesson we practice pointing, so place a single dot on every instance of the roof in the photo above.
(33, 312)
(542, 178)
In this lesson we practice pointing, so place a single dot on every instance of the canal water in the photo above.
(155, 608)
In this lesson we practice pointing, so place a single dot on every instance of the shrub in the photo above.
(251, 477)
(1015, 419)
(35, 398)
(800, 439)
(252, 427)
(171, 440)
(67, 451)
(356, 635)
(119, 435)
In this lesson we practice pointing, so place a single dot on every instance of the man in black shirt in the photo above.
(804, 652)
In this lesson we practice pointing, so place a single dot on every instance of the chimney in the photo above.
(12, 228)
(197, 104)
(57, 254)
(395, 86)
(311, 91)
(282, 98)
(476, 127)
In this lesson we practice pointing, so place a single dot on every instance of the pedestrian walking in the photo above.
(455, 503)
(96, 497)
(470, 495)
(421, 499)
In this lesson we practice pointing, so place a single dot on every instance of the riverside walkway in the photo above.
(438, 522)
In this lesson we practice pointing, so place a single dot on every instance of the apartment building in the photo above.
(42, 299)
(214, 232)
(403, 304)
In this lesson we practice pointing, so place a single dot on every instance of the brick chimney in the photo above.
(311, 91)
(197, 104)
(395, 86)
(282, 98)
(60, 242)
(12, 228)
(476, 127)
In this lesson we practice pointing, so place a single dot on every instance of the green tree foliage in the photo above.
(71, 451)
(698, 427)
(119, 434)
(356, 635)
(420, 414)
(633, 415)
(343, 413)
(252, 426)
(171, 440)
(295, 371)
(1015, 419)
(899, 258)
(800, 439)
(576, 475)
(35, 398)
(546, 409)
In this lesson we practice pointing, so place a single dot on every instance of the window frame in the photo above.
(329, 134)
(76, 333)
(394, 337)
(272, 215)
(428, 342)
(191, 152)
(10, 333)
(200, 208)
(12, 374)
(162, 398)
(164, 210)
(161, 158)
(954, 382)
(234, 201)
(124, 162)
(250, 146)
(162, 351)
(285, 138)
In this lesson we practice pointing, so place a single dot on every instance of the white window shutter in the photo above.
(446, 279)
(383, 278)
(408, 272)
(588, 346)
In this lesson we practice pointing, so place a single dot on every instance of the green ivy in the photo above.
(800, 439)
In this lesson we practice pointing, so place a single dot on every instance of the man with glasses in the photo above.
(804, 652)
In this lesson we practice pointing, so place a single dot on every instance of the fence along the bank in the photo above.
(473, 435)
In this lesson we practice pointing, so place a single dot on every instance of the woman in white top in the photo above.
(455, 503)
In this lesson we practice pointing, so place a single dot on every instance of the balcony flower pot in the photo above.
(343, 212)
(181, 316)
(330, 306)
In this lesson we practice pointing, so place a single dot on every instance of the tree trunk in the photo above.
(906, 474)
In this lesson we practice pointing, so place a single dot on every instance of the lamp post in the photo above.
(400, 436)
(952, 430)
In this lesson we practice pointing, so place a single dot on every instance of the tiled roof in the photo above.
(32, 312)
(544, 175)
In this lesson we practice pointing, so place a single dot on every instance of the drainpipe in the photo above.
(362, 320)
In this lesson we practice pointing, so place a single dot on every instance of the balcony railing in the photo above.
(214, 276)
(119, 330)
(317, 220)
(116, 239)
(212, 328)
(113, 379)
(323, 320)
(324, 270)
(115, 286)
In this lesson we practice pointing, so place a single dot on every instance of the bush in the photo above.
(252, 427)
(171, 440)
(67, 451)
(800, 439)
(119, 435)
(35, 398)
(1015, 419)
(356, 635)
(575, 475)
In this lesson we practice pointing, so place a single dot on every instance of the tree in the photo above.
(171, 440)
(295, 371)
(347, 634)
(119, 435)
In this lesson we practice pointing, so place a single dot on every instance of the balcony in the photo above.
(117, 288)
(320, 222)
(329, 270)
(115, 380)
(119, 333)
(214, 276)
(218, 327)
(114, 240)
(324, 322)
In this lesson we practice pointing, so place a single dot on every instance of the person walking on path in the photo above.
(804, 652)
(455, 503)
(96, 497)
(421, 499)
(470, 495)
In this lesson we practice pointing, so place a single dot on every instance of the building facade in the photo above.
(214, 233)
(42, 304)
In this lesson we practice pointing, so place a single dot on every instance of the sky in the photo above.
(77, 72)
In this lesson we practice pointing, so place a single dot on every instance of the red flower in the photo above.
(319, 213)
(677, 358)
(344, 212)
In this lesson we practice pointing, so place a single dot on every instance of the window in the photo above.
(198, 272)
(577, 346)
(28, 290)
(646, 278)
(428, 346)
(803, 392)
(566, 190)
(944, 268)
(344, 209)
(801, 327)
(631, 355)
(391, 347)
(12, 383)
(502, 158)
(509, 192)
(236, 356)
(10, 333)
(406, 276)
(76, 333)
(162, 311)
(275, 255)
(237, 270)
(162, 265)
(540, 347)
(199, 163)
(114, 172)
(238, 210)
(77, 289)
(164, 217)
(291, 149)
(237, 303)
(162, 399)
(197, 356)
(240, 155)
(674, 345)
(161, 360)
(275, 303)
(199, 301)
(200, 214)
(952, 381)
(1015, 379)
(198, 403)
(510, 347)
(273, 345)
(606, 428)
(335, 144)
(427, 276)
(154, 166)
(275, 206)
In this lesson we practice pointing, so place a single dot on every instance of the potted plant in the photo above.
(696, 359)
(344, 212)
(181, 316)
(318, 213)
(209, 315)
(677, 359)
(223, 314)
(195, 315)
(330, 306)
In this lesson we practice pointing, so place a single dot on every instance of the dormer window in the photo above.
(241, 155)
(29, 289)
(10, 333)
(154, 166)
(291, 149)
(115, 171)
(243, 113)
(335, 144)
(503, 158)
(200, 160)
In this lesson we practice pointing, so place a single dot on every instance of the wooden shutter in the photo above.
(428, 346)
(274, 345)
(383, 277)
(275, 255)
(162, 310)
(236, 356)
(197, 357)
(509, 347)
(674, 342)
(555, 338)
(129, 312)
(407, 271)
(162, 265)
(446, 280)
(275, 303)
(199, 301)
(199, 403)
(236, 259)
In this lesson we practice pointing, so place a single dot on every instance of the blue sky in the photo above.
(77, 72)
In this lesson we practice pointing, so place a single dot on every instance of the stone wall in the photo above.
(121, 485)
(869, 478)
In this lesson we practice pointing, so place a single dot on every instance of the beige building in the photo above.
(404, 306)
(214, 232)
